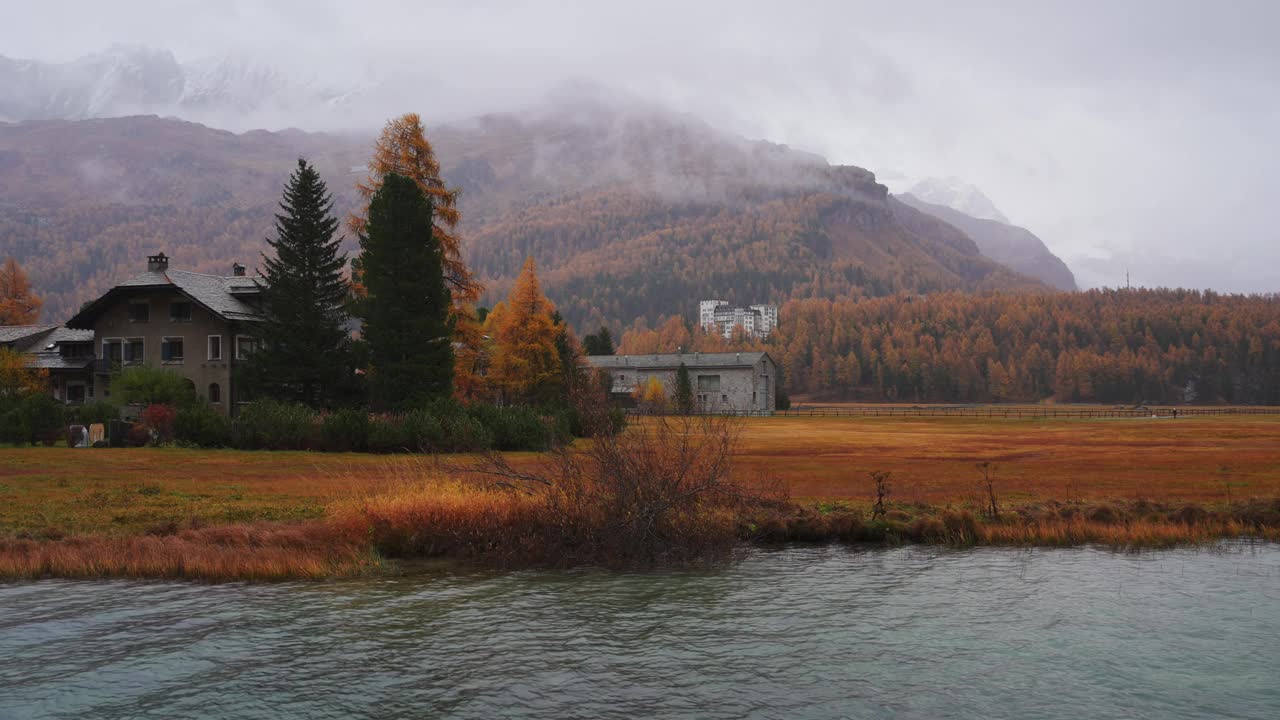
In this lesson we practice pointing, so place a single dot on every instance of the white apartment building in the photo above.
(719, 316)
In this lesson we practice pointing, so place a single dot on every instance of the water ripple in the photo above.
(806, 632)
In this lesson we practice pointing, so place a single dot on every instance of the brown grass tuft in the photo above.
(238, 552)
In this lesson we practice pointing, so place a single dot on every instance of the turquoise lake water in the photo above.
(811, 632)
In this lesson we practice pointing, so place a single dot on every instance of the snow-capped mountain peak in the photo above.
(958, 195)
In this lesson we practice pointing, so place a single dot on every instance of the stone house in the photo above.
(65, 354)
(732, 383)
(197, 324)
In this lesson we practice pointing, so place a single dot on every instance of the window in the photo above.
(708, 383)
(215, 393)
(245, 346)
(76, 350)
(133, 351)
(180, 312)
(171, 350)
(75, 393)
(139, 312)
(113, 350)
(215, 347)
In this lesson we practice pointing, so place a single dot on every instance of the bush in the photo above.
(159, 419)
(515, 428)
(198, 425)
(272, 425)
(345, 431)
(100, 411)
(388, 434)
(38, 417)
(426, 431)
(14, 428)
(146, 385)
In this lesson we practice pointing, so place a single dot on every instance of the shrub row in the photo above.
(440, 428)
(40, 418)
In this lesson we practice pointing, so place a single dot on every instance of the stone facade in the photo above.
(723, 383)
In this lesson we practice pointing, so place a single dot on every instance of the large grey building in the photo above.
(739, 383)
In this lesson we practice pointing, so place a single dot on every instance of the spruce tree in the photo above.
(684, 391)
(601, 343)
(407, 324)
(306, 354)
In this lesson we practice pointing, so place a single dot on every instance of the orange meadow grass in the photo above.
(227, 515)
(229, 552)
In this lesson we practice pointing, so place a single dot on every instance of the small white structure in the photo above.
(720, 317)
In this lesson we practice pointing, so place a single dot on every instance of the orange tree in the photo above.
(18, 305)
(525, 363)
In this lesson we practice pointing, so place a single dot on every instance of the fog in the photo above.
(1136, 136)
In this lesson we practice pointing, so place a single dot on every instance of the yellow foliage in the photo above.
(524, 338)
(18, 305)
(652, 395)
(16, 379)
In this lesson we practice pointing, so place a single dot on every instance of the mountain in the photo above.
(120, 81)
(132, 80)
(1010, 245)
(958, 195)
(630, 211)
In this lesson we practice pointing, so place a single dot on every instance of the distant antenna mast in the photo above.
(1127, 286)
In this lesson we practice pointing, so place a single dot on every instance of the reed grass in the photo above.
(231, 552)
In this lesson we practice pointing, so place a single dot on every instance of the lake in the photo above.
(798, 632)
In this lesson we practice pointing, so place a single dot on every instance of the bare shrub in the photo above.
(664, 490)
(881, 480)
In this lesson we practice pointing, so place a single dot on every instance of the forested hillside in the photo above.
(629, 212)
(1166, 346)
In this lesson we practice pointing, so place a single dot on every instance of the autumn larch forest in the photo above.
(631, 218)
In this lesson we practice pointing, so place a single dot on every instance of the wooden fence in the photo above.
(1023, 412)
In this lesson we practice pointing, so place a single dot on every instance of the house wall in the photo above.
(743, 389)
(196, 366)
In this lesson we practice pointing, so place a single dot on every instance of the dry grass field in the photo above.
(51, 492)
(227, 514)
(933, 459)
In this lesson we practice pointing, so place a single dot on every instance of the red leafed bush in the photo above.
(159, 420)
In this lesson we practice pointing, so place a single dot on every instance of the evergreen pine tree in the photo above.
(406, 308)
(684, 391)
(306, 354)
(601, 343)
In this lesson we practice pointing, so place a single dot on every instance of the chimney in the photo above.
(237, 270)
(157, 263)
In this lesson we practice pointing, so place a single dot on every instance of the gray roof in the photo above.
(222, 295)
(673, 360)
(46, 360)
(69, 335)
(219, 294)
(15, 333)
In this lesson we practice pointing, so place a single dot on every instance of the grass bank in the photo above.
(263, 516)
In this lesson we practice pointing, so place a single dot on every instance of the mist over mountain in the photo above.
(631, 210)
(1016, 247)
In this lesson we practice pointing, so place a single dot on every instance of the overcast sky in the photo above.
(1138, 135)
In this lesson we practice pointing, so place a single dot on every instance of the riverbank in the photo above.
(257, 515)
